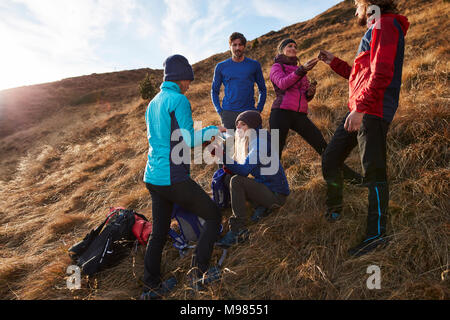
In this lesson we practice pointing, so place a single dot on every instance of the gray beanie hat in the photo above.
(251, 117)
(284, 43)
(177, 67)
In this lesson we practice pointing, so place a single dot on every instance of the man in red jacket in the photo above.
(374, 89)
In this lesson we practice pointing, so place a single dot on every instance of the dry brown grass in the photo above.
(68, 162)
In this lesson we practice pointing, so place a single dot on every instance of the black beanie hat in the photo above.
(177, 67)
(284, 43)
(251, 117)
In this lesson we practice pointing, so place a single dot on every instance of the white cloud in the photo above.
(69, 27)
(48, 40)
(199, 29)
(286, 11)
(144, 27)
(195, 29)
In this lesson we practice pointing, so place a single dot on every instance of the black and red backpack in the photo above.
(109, 243)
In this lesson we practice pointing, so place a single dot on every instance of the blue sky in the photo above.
(48, 40)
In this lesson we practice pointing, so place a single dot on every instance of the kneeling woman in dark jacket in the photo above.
(269, 188)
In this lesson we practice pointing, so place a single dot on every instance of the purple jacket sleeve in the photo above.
(283, 81)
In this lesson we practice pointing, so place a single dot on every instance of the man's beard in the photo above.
(238, 54)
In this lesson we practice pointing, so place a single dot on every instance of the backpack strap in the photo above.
(179, 242)
(222, 258)
(97, 230)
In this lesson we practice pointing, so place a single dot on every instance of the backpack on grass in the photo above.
(190, 228)
(220, 191)
(109, 243)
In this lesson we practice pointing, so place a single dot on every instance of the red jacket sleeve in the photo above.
(382, 58)
(341, 67)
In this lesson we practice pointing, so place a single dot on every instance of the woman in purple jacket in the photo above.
(293, 91)
(290, 108)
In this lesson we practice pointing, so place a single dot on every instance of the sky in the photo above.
(49, 40)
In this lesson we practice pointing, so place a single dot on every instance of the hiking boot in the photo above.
(332, 215)
(198, 280)
(163, 290)
(259, 213)
(233, 237)
(367, 245)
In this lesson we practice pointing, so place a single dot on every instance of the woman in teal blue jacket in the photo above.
(170, 135)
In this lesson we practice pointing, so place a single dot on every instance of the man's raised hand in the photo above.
(325, 56)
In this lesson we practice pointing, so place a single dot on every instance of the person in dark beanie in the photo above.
(169, 181)
(290, 107)
(374, 89)
(252, 119)
(238, 74)
(267, 190)
(176, 68)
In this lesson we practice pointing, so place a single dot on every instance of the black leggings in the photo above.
(284, 120)
(190, 196)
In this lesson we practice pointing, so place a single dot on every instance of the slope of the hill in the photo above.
(33, 114)
(76, 156)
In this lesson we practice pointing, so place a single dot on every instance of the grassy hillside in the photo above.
(71, 149)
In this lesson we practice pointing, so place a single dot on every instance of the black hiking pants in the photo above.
(371, 141)
(229, 119)
(190, 196)
(284, 120)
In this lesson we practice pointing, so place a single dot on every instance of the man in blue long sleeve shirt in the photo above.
(238, 74)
